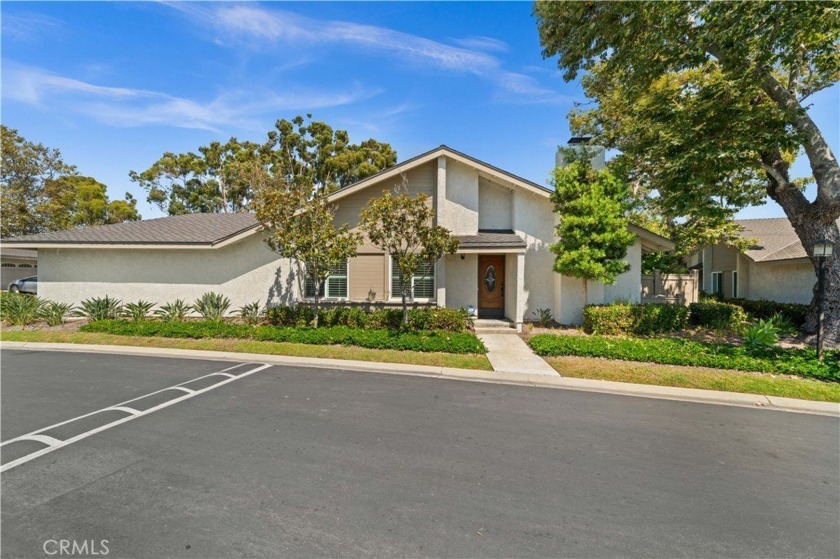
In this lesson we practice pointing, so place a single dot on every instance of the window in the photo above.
(7, 265)
(735, 284)
(24, 265)
(717, 282)
(422, 283)
(334, 287)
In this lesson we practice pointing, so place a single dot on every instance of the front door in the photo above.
(491, 286)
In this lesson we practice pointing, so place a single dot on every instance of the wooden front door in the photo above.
(491, 286)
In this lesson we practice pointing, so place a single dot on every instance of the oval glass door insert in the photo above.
(490, 279)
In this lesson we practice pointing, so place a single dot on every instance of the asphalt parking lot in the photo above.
(290, 461)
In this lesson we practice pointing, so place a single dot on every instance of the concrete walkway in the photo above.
(517, 379)
(508, 353)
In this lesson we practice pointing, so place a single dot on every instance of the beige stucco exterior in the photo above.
(467, 197)
(785, 281)
(245, 271)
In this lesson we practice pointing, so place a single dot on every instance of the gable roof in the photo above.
(181, 231)
(776, 239)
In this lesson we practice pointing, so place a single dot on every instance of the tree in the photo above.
(592, 233)
(403, 226)
(301, 227)
(27, 168)
(74, 201)
(707, 103)
(42, 193)
(310, 153)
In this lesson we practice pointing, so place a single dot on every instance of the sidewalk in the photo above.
(512, 378)
(508, 353)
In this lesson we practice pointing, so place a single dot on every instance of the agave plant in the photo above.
(21, 309)
(56, 313)
(101, 308)
(138, 311)
(252, 313)
(212, 306)
(761, 335)
(174, 312)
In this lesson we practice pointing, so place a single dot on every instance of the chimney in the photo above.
(579, 143)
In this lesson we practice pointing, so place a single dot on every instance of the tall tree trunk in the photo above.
(318, 281)
(812, 221)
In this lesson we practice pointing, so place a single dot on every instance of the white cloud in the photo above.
(120, 106)
(28, 26)
(256, 26)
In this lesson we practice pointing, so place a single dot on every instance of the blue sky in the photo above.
(114, 85)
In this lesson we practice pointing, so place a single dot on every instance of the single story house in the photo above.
(775, 268)
(16, 263)
(503, 267)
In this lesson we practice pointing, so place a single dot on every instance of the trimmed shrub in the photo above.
(717, 316)
(608, 319)
(439, 341)
(450, 320)
(675, 351)
(390, 319)
(625, 318)
(795, 312)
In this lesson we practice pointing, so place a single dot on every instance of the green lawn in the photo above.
(696, 377)
(460, 361)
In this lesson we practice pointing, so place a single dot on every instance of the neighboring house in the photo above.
(15, 264)
(776, 268)
(503, 267)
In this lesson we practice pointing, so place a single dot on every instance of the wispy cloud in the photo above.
(29, 26)
(256, 26)
(121, 106)
(480, 42)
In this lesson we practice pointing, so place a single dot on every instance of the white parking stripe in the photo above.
(126, 409)
(46, 439)
(122, 404)
(182, 389)
(86, 434)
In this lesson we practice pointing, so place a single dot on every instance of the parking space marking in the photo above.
(182, 389)
(55, 444)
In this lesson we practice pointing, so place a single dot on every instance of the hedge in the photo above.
(436, 340)
(763, 309)
(793, 361)
(715, 315)
(450, 320)
(634, 319)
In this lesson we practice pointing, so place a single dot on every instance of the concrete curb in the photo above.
(471, 375)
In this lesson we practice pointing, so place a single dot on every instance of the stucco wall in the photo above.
(458, 211)
(533, 220)
(783, 282)
(244, 271)
(462, 281)
(494, 206)
(627, 286)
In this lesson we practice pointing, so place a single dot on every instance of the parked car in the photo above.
(25, 285)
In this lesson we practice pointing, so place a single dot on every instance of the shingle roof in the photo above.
(188, 229)
(776, 239)
(491, 239)
(20, 253)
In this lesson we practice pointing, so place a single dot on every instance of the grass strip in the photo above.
(478, 362)
(696, 377)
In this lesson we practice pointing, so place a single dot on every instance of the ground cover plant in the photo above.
(422, 341)
(675, 351)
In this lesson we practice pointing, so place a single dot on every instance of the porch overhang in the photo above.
(491, 242)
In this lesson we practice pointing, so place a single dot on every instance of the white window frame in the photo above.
(735, 285)
(398, 296)
(326, 286)
(719, 283)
